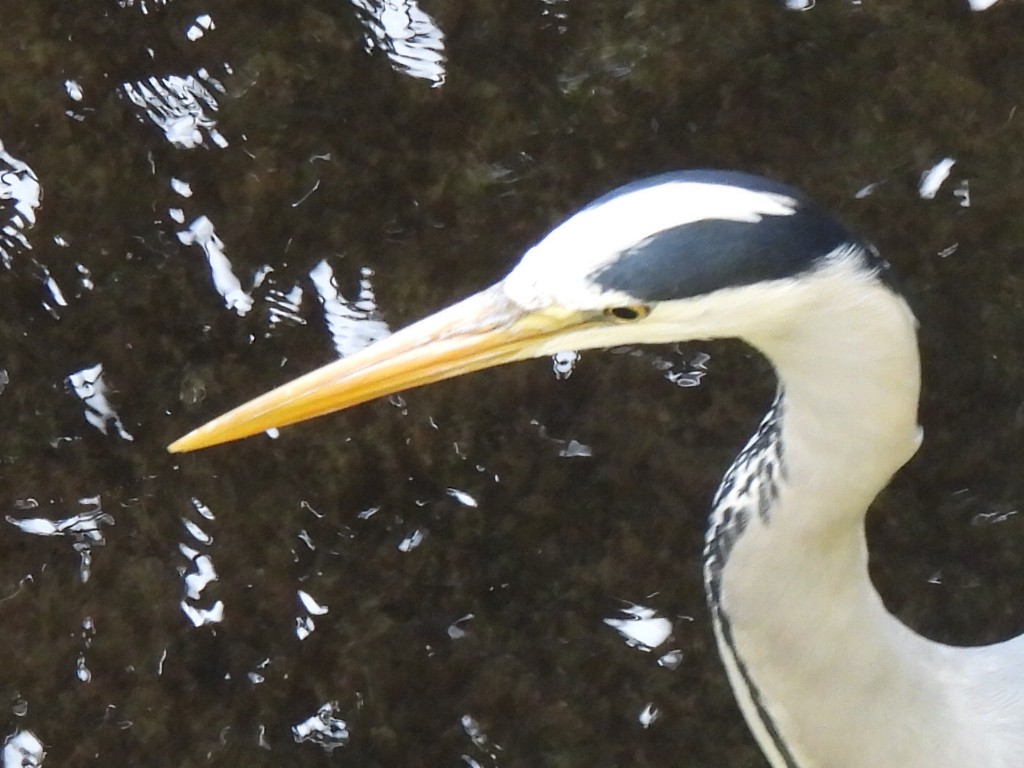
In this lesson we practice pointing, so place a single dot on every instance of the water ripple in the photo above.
(408, 36)
(180, 106)
(20, 196)
(89, 385)
(323, 729)
(84, 530)
(201, 232)
(23, 750)
(352, 324)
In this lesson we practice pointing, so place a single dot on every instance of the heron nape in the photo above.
(825, 676)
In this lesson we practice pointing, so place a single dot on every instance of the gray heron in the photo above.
(825, 676)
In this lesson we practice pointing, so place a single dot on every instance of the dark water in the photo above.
(229, 201)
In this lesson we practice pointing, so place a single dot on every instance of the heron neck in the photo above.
(851, 380)
(805, 636)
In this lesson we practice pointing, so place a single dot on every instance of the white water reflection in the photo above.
(20, 196)
(689, 373)
(963, 193)
(304, 625)
(82, 671)
(648, 715)
(479, 738)
(74, 90)
(143, 5)
(197, 533)
(671, 659)
(462, 497)
(285, 306)
(202, 616)
(867, 190)
(408, 36)
(181, 107)
(934, 177)
(311, 605)
(200, 572)
(84, 529)
(202, 25)
(23, 750)
(567, 449)
(999, 514)
(456, 631)
(575, 449)
(352, 325)
(563, 363)
(558, 12)
(201, 232)
(89, 385)
(183, 188)
(323, 729)
(642, 628)
(257, 678)
(204, 572)
(411, 542)
(56, 294)
(367, 513)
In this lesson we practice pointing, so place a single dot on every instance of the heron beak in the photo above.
(482, 331)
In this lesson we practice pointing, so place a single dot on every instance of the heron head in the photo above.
(687, 255)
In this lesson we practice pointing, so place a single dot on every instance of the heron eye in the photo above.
(627, 314)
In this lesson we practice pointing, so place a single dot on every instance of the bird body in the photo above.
(825, 676)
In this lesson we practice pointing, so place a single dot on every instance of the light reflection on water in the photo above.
(201, 232)
(20, 195)
(304, 625)
(323, 729)
(89, 385)
(181, 107)
(22, 749)
(408, 36)
(199, 572)
(145, 6)
(642, 628)
(203, 23)
(85, 530)
(354, 324)
(486, 749)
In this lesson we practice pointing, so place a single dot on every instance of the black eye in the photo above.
(627, 313)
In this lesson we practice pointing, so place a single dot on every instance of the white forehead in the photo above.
(557, 268)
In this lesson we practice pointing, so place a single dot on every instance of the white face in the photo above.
(557, 269)
(764, 314)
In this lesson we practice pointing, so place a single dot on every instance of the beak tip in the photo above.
(216, 432)
(201, 437)
(181, 445)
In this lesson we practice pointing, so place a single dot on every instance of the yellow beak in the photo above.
(483, 331)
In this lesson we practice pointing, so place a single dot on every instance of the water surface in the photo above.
(199, 200)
